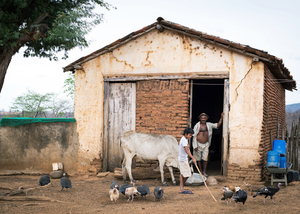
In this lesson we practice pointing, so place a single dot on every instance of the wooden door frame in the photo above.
(225, 127)
(225, 143)
(105, 127)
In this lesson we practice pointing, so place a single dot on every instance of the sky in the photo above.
(269, 25)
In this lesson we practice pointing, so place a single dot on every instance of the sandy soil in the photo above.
(90, 195)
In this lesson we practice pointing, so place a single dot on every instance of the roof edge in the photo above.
(275, 64)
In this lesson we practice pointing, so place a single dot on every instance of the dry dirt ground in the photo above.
(90, 195)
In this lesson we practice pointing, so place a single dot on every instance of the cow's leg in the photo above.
(161, 167)
(172, 175)
(128, 166)
(124, 169)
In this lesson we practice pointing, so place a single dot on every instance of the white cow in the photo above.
(146, 146)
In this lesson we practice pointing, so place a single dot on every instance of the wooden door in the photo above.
(225, 145)
(119, 117)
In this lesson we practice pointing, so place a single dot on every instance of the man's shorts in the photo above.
(202, 153)
(185, 169)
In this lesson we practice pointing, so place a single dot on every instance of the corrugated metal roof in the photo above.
(275, 64)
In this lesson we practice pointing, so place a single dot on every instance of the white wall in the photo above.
(170, 53)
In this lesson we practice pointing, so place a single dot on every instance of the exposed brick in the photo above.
(162, 106)
(273, 107)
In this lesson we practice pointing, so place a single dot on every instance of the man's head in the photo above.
(203, 117)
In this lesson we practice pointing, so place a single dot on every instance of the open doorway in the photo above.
(208, 97)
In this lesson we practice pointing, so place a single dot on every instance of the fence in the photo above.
(292, 140)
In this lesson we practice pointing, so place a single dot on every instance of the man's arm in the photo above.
(187, 150)
(221, 120)
(196, 131)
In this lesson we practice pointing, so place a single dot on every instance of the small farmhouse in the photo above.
(160, 78)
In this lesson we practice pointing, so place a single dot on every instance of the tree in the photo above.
(60, 107)
(69, 85)
(45, 27)
(33, 104)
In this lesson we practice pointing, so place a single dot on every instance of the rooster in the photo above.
(268, 191)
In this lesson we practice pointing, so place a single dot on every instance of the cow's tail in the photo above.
(121, 151)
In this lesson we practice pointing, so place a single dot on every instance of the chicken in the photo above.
(114, 194)
(65, 182)
(158, 192)
(237, 189)
(232, 188)
(268, 191)
(240, 196)
(124, 187)
(144, 190)
(114, 184)
(227, 194)
(44, 180)
(131, 192)
(249, 187)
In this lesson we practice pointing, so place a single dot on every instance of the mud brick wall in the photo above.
(250, 173)
(274, 106)
(162, 106)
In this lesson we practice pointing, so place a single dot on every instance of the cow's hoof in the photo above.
(165, 184)
(175, 184)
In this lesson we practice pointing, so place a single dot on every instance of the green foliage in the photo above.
(32, 104)
(47, 27)
(69, 86)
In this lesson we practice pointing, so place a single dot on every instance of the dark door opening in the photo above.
(208, 96)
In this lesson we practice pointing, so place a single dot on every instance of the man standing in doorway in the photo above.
(202, 139)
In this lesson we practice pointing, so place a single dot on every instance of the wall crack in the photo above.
(237, 94)
(147, 59)
(121, 61)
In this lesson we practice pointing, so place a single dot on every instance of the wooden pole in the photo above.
(297, 146)
(292, 143)
(287, 145)
(205, 183)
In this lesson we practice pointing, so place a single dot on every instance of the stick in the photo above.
(26, 198)
(205, 183)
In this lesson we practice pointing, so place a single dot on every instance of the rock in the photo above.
(92, 169)
(221, 178)
(211, 181)
(102, 174)
(56, 174)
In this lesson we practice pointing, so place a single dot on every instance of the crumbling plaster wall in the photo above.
(169, 52)
(34, 147)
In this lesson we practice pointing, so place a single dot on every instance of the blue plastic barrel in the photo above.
(273, 159)
(282, 162)
(279, 146)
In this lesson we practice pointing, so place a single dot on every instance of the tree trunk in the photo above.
(5, 59)
(6, 53)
